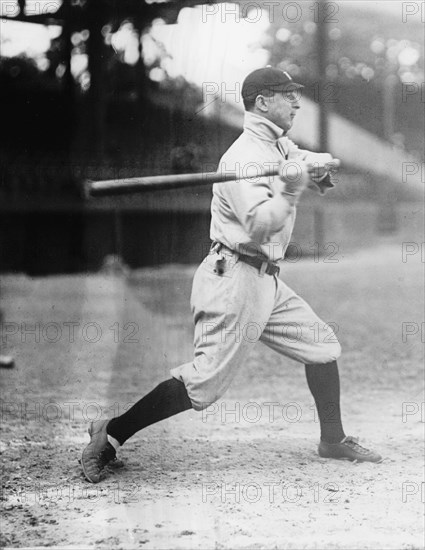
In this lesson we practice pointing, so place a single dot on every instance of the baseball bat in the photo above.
(127, 186)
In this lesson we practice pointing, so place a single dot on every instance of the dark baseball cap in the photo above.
(268, 78)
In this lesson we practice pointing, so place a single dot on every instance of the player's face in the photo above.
(282, 108)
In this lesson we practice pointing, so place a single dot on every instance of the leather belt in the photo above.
(263, 265)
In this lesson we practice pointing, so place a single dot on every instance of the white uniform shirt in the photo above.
(251, 216)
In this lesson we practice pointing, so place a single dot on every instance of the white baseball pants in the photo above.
(235, 309)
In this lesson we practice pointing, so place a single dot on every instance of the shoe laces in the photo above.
(106, 455)
(353, 443)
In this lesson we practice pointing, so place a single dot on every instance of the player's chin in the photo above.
(287, 125)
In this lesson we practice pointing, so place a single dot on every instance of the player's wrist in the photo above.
(318, 179)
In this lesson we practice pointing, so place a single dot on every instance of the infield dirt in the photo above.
(243, 474)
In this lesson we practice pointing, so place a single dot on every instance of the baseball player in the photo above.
(237, 297)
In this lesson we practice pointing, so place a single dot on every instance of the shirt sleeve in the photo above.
(259, 205)
(295, 152)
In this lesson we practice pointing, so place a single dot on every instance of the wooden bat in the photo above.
(126, 186)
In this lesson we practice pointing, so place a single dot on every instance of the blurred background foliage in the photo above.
(367, 53)
(111, 89)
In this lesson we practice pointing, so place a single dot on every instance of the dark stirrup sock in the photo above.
(167, 399)
(323, 381)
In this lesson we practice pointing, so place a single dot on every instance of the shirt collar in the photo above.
(262, 128)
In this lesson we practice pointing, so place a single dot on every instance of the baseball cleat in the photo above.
(98, 453)
(348, 449)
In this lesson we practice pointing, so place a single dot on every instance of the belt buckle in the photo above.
(263, 268)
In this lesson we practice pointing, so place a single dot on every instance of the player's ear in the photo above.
(262, 103)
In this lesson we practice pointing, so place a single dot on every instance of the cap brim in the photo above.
(287, 87)
(284, 87)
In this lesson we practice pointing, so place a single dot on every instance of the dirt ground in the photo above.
(244, 473)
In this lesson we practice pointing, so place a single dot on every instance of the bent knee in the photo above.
(204, 401)
(332, 352)
(326, 354)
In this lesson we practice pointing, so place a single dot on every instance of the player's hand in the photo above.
(295, 176)
(320, 164)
